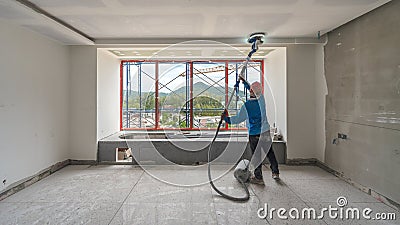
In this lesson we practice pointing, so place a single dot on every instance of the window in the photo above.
(181, 95)
(138, 93)
(173, 95)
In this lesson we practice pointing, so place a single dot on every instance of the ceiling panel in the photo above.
(157, 19)
(69, 3)
(10, 12)
(341, 3)
(138, 26)
(207, 3)
(246, 23)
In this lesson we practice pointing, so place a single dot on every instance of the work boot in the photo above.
(255, 180)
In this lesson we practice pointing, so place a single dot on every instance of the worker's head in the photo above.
(255, 89)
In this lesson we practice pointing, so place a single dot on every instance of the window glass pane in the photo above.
(138, 109)
(254, 72)
(208, 93)
(240, 97)
(147, 84)
(173, 95)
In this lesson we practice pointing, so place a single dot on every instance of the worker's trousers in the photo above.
(259, 145)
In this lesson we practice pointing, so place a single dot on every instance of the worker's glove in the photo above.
(237, 84)
(224, 114)
(238, 81)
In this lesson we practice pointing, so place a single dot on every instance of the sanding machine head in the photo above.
(256, 36)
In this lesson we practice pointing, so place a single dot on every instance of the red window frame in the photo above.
(157, 111)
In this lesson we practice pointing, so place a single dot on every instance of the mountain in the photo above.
(134, 94)
(198, 87)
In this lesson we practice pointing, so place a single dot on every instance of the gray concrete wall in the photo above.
(164, 152)
(362, 66)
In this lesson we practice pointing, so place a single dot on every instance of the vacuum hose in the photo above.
(255, 39)
(240, 199)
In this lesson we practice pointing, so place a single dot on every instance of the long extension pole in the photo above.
(255, 42)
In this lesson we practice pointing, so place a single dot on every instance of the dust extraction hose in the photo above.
(255, 39)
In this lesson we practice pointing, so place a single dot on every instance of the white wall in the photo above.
(275, 74)
(107, 93)
(303, 65)
(83, 103)
(296, 76)
(302, 125)
(33, 103)
(321, 91)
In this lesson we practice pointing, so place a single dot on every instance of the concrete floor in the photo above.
(128, 195)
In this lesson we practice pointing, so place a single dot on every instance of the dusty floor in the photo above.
(128, 195)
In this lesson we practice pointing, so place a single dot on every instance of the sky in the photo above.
(169, 71)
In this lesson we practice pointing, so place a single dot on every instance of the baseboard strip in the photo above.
(20, 185)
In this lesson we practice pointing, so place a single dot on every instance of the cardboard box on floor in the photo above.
(123, 153)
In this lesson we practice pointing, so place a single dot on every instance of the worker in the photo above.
(254, 112)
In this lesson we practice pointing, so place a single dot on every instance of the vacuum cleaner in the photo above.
(241, 172)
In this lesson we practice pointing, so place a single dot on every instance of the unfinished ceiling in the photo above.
(188, 52)
(132, 19)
